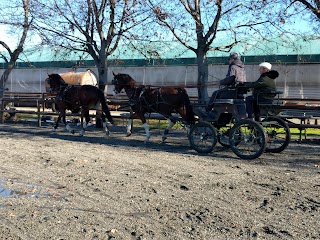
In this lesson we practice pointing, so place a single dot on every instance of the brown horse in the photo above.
(76, 98)
(163, 100)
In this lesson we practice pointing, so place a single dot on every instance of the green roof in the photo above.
(280, 49)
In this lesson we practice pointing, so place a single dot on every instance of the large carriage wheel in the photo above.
(203, 137)
(277, 133)
(223, 133)
(247, 139)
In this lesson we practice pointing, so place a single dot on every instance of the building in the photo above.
(297, 60)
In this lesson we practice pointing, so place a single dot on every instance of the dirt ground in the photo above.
(63, 186)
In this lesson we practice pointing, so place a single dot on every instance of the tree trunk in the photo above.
(202, 76)
(103, 76)
(4, 78)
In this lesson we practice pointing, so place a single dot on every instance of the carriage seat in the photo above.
(223, 101)
(229, 101)
(275, 100)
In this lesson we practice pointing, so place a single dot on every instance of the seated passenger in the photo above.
(263, 90)
(236, 74)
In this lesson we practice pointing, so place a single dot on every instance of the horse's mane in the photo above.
(57, 77)
(128, 78)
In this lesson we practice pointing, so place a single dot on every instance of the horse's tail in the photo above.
(104, 106)
(190, 118)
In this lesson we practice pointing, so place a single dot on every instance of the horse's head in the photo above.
(55, 83)
(122, 81)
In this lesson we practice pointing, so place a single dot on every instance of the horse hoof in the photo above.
(128, 134)
(72, 131)
(164, 138)
(108, 133)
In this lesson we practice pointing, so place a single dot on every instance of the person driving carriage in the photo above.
(236, 74)
(263, 90)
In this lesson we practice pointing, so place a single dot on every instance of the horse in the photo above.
(76, 98)
(164, 100)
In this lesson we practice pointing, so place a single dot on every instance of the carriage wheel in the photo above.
(203, 137)
(247, 139)
(223, 134)
(277, 133)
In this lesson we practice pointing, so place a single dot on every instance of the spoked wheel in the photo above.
(278, 134)
(203, 137)
(247, 139)
(223, 134)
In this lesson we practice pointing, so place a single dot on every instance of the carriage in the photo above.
(248, 139)
(226, 123)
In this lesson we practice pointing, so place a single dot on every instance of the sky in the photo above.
(33, 40)
(4, 36)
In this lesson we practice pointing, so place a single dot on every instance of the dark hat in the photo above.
(234, 55)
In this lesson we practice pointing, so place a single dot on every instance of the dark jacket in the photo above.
(236, 74)
(265, 84)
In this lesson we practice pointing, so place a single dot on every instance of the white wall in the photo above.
(301, 81)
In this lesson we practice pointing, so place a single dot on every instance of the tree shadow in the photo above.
(295, 156)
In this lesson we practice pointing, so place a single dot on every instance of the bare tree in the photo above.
(205, 25)
(299, 11)
(11, 16)
(313, 6)
(93, 27)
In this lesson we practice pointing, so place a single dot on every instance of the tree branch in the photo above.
(4, 58)
(308, 5)
(120, 32)
(242, 25)
(6, 47)
(231, 9)
(225, 48)
(172, 30)
(189, 8)
(214, 26)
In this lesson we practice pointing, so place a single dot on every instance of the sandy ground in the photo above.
(63, 186)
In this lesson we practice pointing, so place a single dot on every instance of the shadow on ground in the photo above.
(295, 156)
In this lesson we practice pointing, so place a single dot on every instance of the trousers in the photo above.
(252, 106)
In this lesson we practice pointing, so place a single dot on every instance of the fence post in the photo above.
(38, 113)
(2, 113)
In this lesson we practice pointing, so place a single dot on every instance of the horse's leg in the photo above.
(106, 129)
(183, 115)
(145, 126)
(130, 122)
(57, 123)
(171, 123)
(85, 118)
(68, 128)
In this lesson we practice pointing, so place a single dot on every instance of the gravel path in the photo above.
(62, 186)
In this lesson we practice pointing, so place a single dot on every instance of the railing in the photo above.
(292, 110)
(21, 102)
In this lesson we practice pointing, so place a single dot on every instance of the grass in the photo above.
(295, 132)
